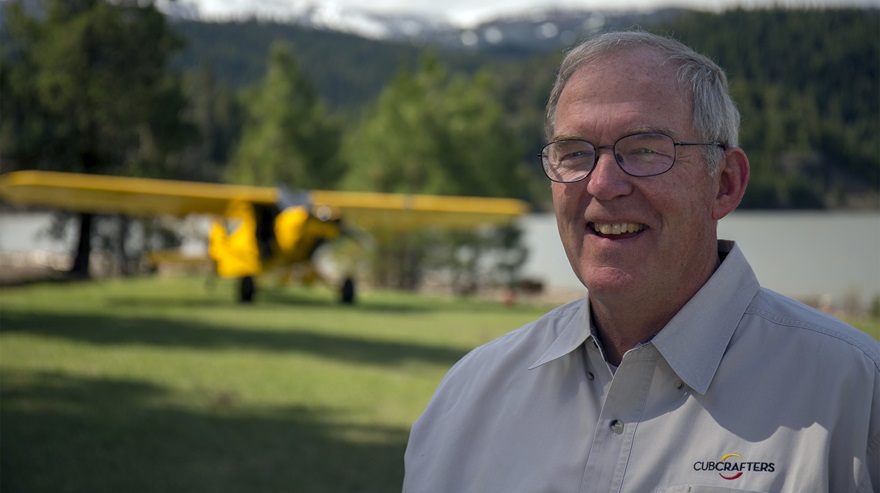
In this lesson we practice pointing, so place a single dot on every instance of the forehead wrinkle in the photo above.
(642, 129)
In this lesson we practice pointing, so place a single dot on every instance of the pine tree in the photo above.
(85, 89)
(287, 138)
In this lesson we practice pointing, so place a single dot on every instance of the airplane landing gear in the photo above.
(246, 289)
(347, 291)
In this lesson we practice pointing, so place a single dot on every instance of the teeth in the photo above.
(616, 229)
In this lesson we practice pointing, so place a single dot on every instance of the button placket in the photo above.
(625, 399)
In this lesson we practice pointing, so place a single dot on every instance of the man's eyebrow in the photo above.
(567, 137)
(649, 130)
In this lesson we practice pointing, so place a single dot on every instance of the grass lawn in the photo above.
(870, 326)
(167, 385)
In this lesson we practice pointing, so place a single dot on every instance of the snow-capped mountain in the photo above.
(319, 15)
(531, 29)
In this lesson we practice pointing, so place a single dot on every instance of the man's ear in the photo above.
(731, 180)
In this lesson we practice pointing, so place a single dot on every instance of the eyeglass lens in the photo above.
(645, 154)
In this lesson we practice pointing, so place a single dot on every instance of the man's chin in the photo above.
(609, 280)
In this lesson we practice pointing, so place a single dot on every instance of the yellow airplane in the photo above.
(256, 229)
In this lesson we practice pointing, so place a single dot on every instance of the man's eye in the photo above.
(574, 159)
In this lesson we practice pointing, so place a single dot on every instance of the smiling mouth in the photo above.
(619, 230)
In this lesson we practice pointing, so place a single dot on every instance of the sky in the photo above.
(471, 12)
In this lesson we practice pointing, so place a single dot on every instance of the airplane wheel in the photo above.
(347, 291)
(246, 289)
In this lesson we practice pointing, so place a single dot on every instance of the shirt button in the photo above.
(590, 375)
(679, 384)
(617, 426)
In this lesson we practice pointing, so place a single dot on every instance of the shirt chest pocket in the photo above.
(697, 488)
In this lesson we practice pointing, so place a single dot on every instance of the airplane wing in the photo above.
(144, 196)
(123, 195)
(403, 211)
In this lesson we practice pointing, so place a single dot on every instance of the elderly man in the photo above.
(677, 372)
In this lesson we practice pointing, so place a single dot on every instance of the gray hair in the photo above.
(715, 116)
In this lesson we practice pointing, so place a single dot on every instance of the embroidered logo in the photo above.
(733, 466)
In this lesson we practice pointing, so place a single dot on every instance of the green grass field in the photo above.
(166, 385)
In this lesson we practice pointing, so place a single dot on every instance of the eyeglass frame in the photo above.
(619, 165)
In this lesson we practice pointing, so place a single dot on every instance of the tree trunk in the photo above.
(80, 267)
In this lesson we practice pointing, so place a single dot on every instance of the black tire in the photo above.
(246, 289)
(347, 291)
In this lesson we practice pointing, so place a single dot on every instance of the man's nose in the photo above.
(608, 180)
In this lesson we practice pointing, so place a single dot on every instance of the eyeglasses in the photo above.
(642, 154)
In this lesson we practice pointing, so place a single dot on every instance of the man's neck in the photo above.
(623, 323)
(619, 334)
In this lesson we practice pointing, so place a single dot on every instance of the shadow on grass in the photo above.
(76, 434)
(165, 333)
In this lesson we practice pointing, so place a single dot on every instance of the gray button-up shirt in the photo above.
(743, 390)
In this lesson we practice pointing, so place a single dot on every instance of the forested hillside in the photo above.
(808, 86)
(347, 70)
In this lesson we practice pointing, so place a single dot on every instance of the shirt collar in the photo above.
(570, 337)
(695, 340)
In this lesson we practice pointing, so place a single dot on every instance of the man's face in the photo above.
(672, 250)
